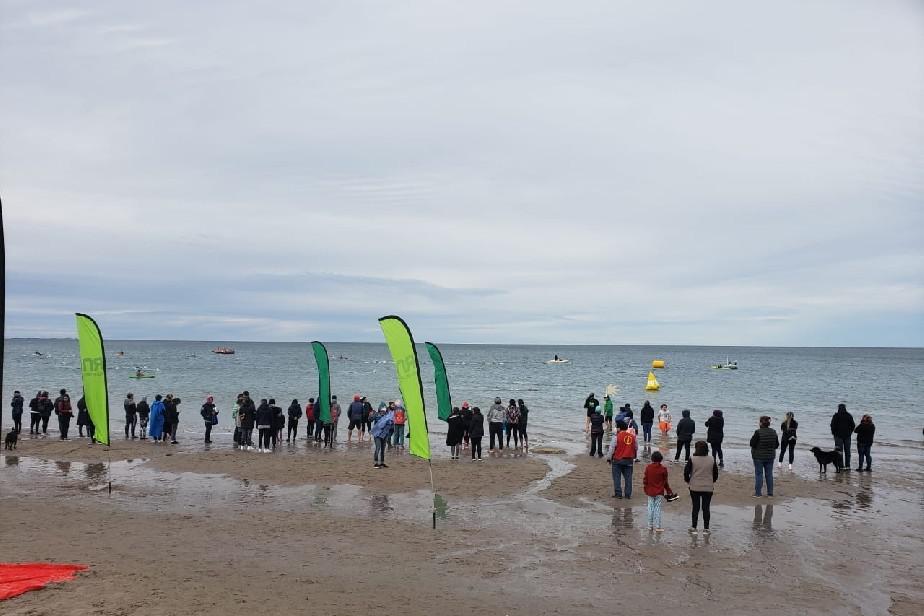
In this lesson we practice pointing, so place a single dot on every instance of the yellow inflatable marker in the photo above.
(652, 384)
(657, 363)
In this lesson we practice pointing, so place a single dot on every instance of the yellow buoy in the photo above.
(652, 384)
(657, 363)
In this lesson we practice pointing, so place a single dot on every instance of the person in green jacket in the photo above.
(764, 444)
(608, 412)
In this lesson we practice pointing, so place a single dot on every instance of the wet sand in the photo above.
(306, 532)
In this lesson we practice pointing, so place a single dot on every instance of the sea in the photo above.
(883, 382)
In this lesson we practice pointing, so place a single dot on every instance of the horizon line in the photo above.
(534, 344)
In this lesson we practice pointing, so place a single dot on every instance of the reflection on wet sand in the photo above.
(623, 518)
(763, 519)
(64, 466)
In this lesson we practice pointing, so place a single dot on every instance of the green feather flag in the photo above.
(93, 371)
(320, 356)
(443, 399)
(401, 345)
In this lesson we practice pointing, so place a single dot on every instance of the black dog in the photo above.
(828, 457)
(10, 441)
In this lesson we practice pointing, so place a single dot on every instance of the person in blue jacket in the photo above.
(156, 420)
(383, 421)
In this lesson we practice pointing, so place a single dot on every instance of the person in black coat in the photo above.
(171, 417)
(476, 432)
(646, 418)
(842, 426)
(686, 427)
(715, 434)
(279, 422)
(248, 416)
(295, 413)
(865, 432)
(455, 429)
(264, 417)
(788, 438)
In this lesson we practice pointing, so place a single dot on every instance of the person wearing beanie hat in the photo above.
(62, 407)
(131, 415)
(355, 417)
(466, 412)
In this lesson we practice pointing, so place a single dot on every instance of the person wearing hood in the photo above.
(466, 412)
(16, 404)
(476, 432)
(83, 419)
(209, 416)
(686, 427)
(788, 438)
(295, 413)
(382, 425)
(454, 431)
(597, 424)
(131, 415)
(590, 405)
(521, 427)
(715, 434)
(248, 417)
(64, 412)
(156, 426)
(865, 432)
(398, 425)
(311, 421)
(354, 416)
(279, 422)
(608, 412)
(171, 418)
(764, 444)
(646, 418)
(144, 411)
(496, 416)
(842, 427)
(264, 426)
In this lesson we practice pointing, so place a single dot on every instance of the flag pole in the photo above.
(432, 492)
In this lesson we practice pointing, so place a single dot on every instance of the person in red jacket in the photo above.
(656, 486)
(621, 456)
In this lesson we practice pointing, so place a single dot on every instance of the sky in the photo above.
(594, 172)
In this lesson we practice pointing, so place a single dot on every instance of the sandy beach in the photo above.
(306, 531)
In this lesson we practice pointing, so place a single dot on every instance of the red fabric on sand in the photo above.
(17, 578)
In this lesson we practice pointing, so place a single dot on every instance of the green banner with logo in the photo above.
(93, 371)
(443, 399)
(401, 344)
(323, 361)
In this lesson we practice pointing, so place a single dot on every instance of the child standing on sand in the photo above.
(656, 486)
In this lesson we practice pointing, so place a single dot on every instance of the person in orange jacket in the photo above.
(621, 456)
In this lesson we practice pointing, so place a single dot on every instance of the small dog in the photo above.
(9, 443)
(828, 457)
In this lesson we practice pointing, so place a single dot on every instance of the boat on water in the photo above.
(223, 351)
(558, 360)
(728, 365)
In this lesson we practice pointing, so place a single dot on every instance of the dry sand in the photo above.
(311, 532)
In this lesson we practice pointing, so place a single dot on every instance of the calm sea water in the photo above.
(887, 383)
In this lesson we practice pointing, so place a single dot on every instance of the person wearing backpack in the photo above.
(63, 410)
(131, 414)
(513, 422)
(399, 419)
(144, 411)
(209, 416)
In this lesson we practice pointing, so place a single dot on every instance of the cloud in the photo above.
(516, 172)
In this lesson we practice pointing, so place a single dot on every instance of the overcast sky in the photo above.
(536, 172)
